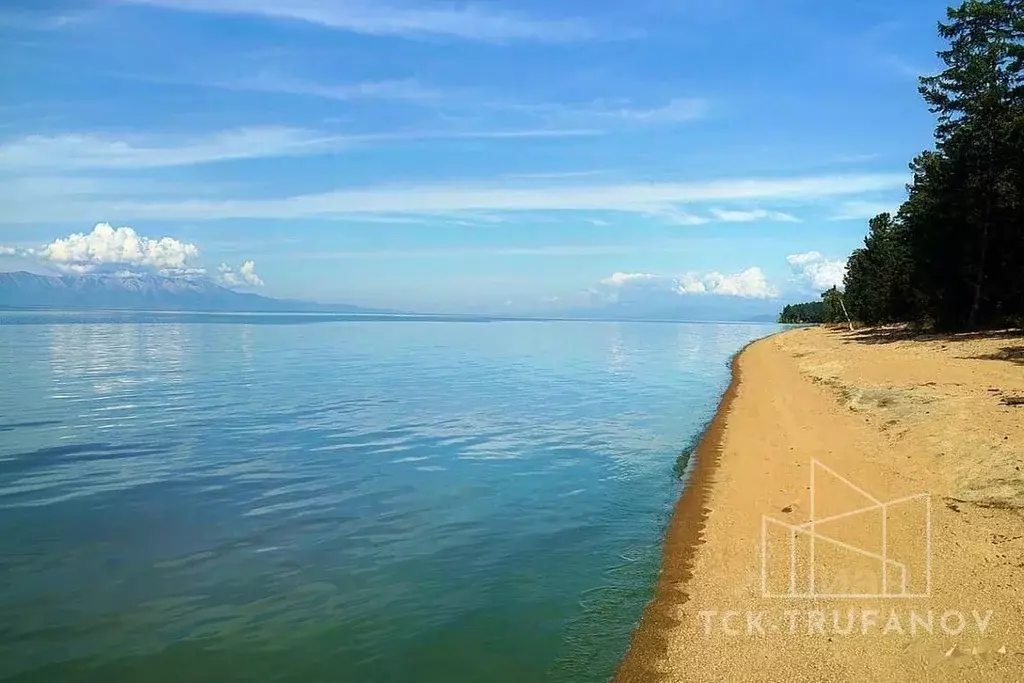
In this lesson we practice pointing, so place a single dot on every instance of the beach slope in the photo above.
(855, 514)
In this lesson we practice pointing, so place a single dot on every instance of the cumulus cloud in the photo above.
(123, 252)
(754, 215)
(813, 269)
(748, 284)
(108, 246)
(244, 276)
(617, 279)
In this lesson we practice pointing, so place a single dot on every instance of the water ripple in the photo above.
(360, 500)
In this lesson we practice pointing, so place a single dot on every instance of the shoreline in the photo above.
(683, 535)
(875, 415)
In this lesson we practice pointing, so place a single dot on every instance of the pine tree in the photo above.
(977, 98)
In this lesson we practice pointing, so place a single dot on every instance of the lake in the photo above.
(247, 498)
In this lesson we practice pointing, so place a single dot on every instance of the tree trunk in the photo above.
(848, 321)
(972, 318)
(988, 188)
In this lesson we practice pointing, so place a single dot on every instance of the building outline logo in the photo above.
(812, 534)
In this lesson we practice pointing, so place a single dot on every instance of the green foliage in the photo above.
(954, 253)
(878, 275)
(796, 314)
(833, 307)
(828, 310)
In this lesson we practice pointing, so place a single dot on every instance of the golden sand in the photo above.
(916, 567)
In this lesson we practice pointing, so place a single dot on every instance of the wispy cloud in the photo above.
(753, 215)
(860, 210)
(80, 151)
(649, 198)
(45, 187)
(511, 134)
(471, 21)
(678, 110)
(607, 111)
(91, 151)
(401, 90)
(878, 47)
(555, 175)
(42, 18)
(677, 216)
(554, 250)
(856, 158)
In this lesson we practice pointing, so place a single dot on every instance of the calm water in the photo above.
(241, 498)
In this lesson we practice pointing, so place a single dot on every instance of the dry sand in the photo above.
(890, 418)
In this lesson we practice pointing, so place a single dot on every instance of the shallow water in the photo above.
(243, 498)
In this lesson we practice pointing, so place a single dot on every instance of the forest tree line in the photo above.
(952, 256)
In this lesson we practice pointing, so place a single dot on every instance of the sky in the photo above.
(475, 156)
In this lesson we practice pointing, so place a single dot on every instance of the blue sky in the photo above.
(462, 156)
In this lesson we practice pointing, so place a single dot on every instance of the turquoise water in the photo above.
(245, 498)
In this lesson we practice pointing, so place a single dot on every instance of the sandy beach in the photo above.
(906, 455)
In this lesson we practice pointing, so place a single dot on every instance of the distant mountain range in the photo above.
(123, 291)
(146, 292)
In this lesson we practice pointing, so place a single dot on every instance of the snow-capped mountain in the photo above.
(141, 291)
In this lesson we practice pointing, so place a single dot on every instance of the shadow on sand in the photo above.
(1010, 354)
(888, 335)
(898, 333)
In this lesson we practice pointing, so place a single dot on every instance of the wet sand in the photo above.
(914, 567)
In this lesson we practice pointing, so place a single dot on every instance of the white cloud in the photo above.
(856, 158)
(245, 276)
(618, 279)
(471, 21)
(45, 187)
(553, 250)
(748, 284)
(677, 216)
(408, 90)
(88, 151)
(123, 252)
(754, 215)
(678, 110)
(649, 199)
(605, 111)
(691, 284)
(107, 245)
(813, 269)
(77, 151)
(511, 134)
(801, 260)
(556, 175)
(860, 210)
